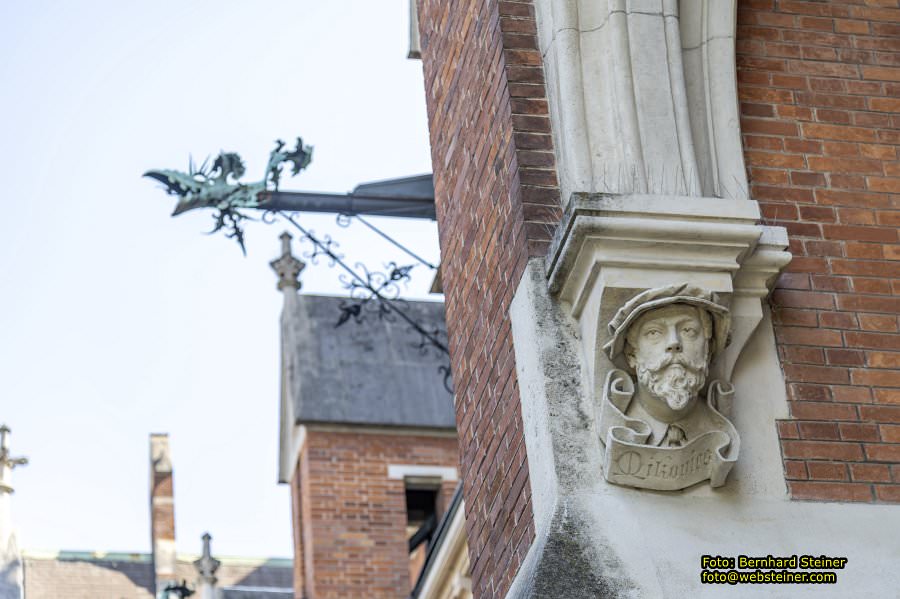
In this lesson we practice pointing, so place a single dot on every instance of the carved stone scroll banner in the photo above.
(630, 461)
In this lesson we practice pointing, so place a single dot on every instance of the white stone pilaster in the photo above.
(643, 96)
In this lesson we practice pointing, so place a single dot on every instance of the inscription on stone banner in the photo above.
(638, 465)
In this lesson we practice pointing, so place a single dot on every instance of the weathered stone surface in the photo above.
(594, 539)
(566, 565)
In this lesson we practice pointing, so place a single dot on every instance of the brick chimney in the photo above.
(162, 511)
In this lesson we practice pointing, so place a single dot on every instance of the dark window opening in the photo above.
(421, 515)
(421, 504)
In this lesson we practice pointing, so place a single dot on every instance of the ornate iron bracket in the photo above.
(370, 291)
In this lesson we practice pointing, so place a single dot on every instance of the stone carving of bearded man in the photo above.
(668, 349)
(663, 434)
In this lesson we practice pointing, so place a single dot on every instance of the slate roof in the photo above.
(85, 575)
(369, 373)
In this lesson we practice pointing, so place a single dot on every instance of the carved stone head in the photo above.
(667, 337)
(668, 349)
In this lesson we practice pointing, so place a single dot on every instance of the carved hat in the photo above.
(664, 296)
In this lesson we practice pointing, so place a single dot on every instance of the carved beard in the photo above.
(675, 379)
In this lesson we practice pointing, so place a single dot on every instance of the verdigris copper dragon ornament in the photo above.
(217, 185)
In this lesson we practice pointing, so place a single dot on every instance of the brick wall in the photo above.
(352, 538)
(820, 89)
(304, 572)
(497, 204)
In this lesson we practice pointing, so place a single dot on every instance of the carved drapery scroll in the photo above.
(643, 96)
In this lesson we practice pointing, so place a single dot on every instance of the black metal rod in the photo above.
(385, 301)
(301, 201)
(395, 242)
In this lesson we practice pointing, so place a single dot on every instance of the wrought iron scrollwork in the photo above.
(325, 247)
(371, 292)
(377, 284)
(376, 293)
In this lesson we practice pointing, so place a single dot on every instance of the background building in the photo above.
(86, 574)
(368, 441)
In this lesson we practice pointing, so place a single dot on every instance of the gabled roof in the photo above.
(89, 575)
(372, 372)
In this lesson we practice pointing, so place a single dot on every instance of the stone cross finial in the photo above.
(7, 463)
(287, 267)
(207, 565)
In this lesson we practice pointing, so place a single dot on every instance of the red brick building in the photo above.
(552, 123)
(368, 444)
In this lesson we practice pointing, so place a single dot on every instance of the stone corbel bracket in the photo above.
(610, 247)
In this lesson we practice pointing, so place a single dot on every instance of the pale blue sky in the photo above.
(116, 320)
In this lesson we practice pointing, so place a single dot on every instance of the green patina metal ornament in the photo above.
(217, 186)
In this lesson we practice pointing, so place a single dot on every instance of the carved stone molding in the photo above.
(608, 248)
